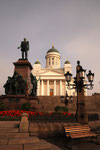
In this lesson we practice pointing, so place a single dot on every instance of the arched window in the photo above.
(52, 60)
(49, 61)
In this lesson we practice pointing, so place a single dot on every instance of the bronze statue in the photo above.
(24, 48)
(34, 84)
(15, 85)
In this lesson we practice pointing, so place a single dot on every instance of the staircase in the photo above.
(48, 103)
(12, 139)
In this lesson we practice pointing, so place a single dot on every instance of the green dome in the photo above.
(53, 50)
(37, 62)
(67, 62)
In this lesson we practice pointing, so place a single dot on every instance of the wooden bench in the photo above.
(80, 131)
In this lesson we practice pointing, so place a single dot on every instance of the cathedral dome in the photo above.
(53, 50)
(52, 58)
(67, 62)
(37, 62)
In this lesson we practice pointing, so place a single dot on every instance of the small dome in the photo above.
(52, 50)
(67, 62)
(37, 62)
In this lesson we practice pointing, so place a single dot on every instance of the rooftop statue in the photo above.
(24, 48)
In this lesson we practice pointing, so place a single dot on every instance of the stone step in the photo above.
(9, 124)
(13, 135)
(42, 145)
(11, 147)
(29, 140)
(10, 130)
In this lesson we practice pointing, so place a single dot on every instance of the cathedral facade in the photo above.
(51, 79)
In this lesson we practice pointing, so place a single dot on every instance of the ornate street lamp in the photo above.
(79, 85)
(82, 73)
(71, 98)
(68, 77)
(90, 77)
(68, 99)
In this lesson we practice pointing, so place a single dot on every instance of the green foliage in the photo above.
(2, 106)
(61, 109)
(26, 106)
(57, 113)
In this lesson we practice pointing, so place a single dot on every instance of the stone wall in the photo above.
(44, 130)
(14, 102)
(55, 129)
(48, 103)
(92, 104)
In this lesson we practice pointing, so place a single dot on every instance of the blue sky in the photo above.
(73, 26)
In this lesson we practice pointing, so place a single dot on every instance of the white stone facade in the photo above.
(51, 79)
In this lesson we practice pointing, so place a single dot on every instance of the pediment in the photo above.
(51, 73)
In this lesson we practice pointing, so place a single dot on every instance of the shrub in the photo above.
(26, 106)
(61, 109)
(2, 106)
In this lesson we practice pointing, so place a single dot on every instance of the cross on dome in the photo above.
(52, 44)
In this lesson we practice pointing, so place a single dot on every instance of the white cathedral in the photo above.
(51, 79)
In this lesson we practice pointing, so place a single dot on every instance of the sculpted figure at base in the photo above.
(24, 48)
(34, 84)
(15, 85)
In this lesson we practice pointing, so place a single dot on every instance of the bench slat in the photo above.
(77, 133)
(77, 130)
(83, 133)
(77, 126)
(79, 136)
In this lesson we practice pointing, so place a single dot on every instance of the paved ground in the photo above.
(84, 144)
(81, 144)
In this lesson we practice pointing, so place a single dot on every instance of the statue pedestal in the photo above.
(23, 68)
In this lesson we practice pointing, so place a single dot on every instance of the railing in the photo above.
(9, 118)
(60, 118)
(93, 117)
(53, 118)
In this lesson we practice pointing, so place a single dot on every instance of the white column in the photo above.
(60, 87)
(38, 88)
(47, 62)
(48, 88)
(50, 61)
(54, 87)
(42, 88)
(54, 61)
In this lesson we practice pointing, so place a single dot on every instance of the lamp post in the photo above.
(79, 85)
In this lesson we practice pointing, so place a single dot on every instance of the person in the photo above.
(24, 48)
